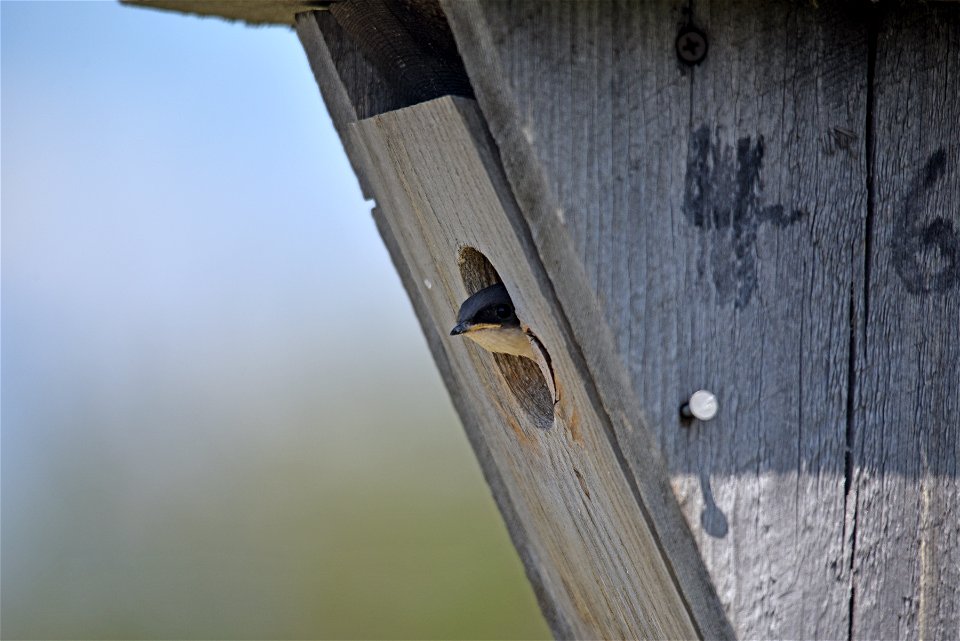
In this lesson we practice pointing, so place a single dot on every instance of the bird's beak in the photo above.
(460, 328)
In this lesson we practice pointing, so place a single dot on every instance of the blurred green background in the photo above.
(207, 431)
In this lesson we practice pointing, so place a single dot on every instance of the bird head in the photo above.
(489, 319)
(488, 309)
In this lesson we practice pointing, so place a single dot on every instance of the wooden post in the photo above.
(778, 222)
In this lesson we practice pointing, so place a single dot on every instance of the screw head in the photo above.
(691, 45)
(702, 406)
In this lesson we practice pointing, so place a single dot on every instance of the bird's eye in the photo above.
(504, 312)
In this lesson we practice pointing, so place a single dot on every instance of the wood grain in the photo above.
(718, 216)
(350, 86)
(778, 205)
(441, 189)
(253, 12)
(544, 51)
(409, 43)
(722, 227)
(269, 12)
(907, 563)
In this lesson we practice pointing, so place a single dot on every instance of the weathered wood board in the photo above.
(774, 275)
(719, 217)
(442, 195)
(907, 563)
(255, 12)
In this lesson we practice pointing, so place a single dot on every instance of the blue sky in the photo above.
(209, 431)
(181, 138)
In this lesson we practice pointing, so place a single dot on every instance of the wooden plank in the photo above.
(513, 52)
(907, 565)
(436, 337)
(713, 215)
(409, 43)
(265, 12)
(778, 115)
(593, 552)
(353, 87)
(254, 12)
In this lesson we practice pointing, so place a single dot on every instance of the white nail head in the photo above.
(702, 405)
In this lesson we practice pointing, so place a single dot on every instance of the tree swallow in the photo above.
(489, 319)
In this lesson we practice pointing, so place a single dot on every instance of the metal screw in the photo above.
(702, 406)
(691, 45)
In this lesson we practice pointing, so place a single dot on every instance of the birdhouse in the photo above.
(731, 231)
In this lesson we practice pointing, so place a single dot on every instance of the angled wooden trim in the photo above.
(332, 56)
(587, 539)
(542, 210)
(254, 12)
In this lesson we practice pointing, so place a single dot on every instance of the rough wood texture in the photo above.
(775, 193)
(255, 12)
(718, 216)
(409, 42)
(336, 60)
(262, 12)
(444, 199)
(907, 564)
(321, 39)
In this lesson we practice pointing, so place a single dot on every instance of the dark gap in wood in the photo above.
(848, 456)
(523, 377)
(851, 399)
(410, 44)
(872, 26)
(851, 604)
